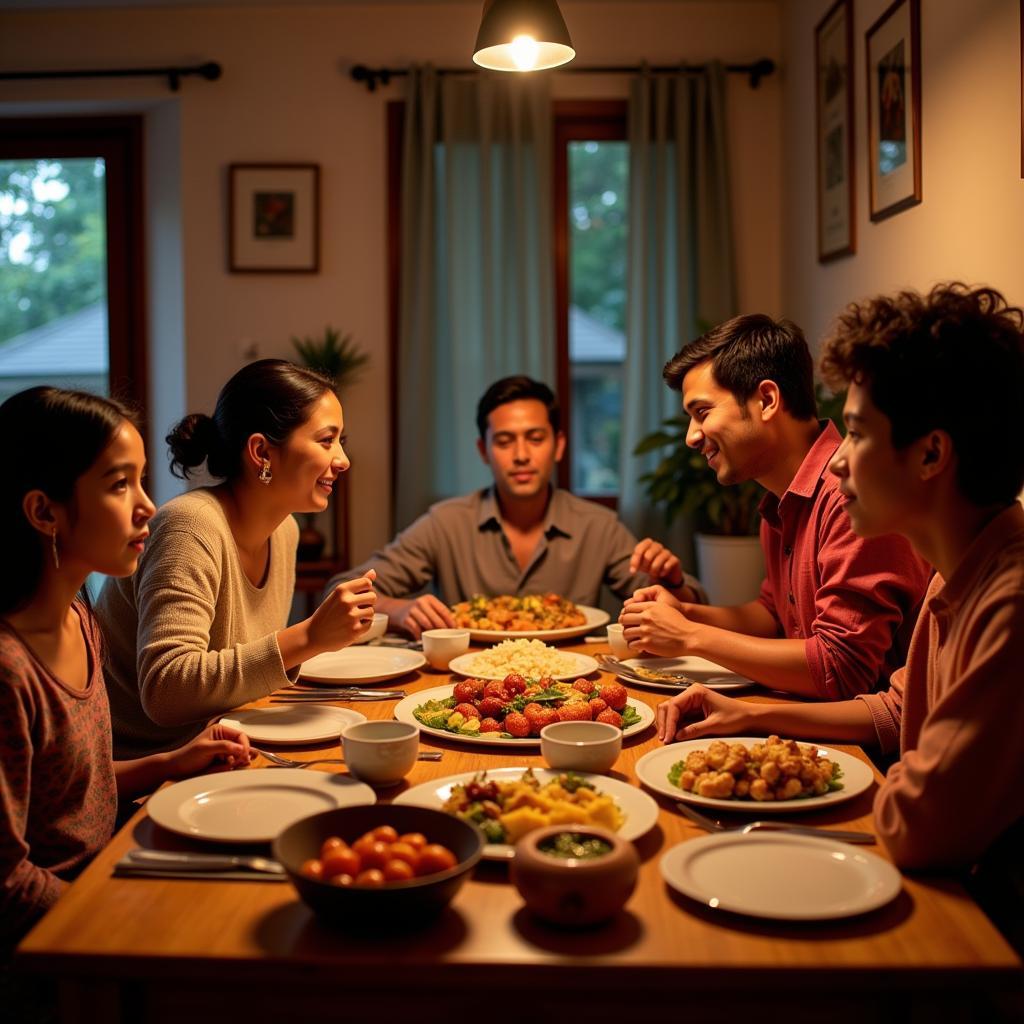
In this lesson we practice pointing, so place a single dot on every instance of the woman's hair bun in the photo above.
(192, 442)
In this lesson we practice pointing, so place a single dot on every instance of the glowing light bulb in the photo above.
(524, 50)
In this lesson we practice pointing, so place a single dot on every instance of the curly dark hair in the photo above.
(950, 360)
(747, 350)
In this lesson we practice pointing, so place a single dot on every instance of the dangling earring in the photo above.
(56, 554)
(264, 475)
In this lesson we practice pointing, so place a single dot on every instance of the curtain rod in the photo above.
(758, 69)
(210, 71)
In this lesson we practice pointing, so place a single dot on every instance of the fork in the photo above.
(614, 665)
(714, 825)
(289, 762)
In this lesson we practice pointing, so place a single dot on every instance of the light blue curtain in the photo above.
(681, 267)
(477, 268)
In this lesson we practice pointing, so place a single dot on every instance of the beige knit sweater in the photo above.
(188, 636)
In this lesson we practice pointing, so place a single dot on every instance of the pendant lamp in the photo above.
(522, 35)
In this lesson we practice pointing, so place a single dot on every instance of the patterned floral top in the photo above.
(58, 797)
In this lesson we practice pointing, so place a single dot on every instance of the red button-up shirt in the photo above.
(853, 601)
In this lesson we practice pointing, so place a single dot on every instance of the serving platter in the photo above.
(640, 811)
(780, 876)
(251, 805)
(595, 617)
(652, 770)
(405, 708)
(361, 665)
(584, 665)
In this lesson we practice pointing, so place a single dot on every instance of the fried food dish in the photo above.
(506, 811)
(773, 770)
(518, 614)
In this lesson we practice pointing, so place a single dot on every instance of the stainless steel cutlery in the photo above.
(714, 825)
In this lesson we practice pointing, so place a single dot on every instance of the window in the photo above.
(591, 221)
(71, 267)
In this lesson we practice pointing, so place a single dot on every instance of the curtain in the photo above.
(476, 301)
(681, 277)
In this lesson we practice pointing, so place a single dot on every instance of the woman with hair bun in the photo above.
(201, 627)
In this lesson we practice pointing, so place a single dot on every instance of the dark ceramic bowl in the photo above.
(409, 901)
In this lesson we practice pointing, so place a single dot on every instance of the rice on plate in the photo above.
(532, 659)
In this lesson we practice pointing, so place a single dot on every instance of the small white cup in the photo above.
(378, 627)
(617, 642)
(581, 746)
(380, 753)
(441, 645)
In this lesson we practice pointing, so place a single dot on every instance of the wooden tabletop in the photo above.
(157, 949)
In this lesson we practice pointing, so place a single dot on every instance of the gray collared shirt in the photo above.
(460, 547)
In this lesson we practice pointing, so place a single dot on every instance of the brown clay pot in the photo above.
(573, 892)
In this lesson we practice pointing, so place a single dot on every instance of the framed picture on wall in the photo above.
(833, 85)
(274, 218)
(894, 109)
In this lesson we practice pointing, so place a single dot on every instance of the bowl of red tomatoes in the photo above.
(353, 864)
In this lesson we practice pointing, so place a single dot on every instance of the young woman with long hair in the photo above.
(201, 627)
(72, 504)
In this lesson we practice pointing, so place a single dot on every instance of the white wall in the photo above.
(285, 97)
(968, 226)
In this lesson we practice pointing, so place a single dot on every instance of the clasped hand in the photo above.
(345, 614)
(655, 622)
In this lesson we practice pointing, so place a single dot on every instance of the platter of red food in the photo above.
(512, 711)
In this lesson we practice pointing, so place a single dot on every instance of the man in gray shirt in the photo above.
(520, 536)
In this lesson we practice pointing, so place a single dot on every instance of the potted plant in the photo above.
(730, 561)
(335, 356)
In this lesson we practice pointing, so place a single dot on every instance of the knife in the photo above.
(331, 695)
(166, 859)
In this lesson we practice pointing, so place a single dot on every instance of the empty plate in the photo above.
(780, 876)
(251, 805)
(361, 665)
(713, 676)
(293, 723)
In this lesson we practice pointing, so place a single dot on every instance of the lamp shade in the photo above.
(522, 35)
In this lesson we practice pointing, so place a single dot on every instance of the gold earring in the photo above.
(264, 475)
(56, 555)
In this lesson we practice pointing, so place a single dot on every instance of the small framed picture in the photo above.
(894, 109)
(274, 218)
(833, 65)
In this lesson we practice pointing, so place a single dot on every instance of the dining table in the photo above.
(186, 950)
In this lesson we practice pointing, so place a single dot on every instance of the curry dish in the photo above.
(518, 614)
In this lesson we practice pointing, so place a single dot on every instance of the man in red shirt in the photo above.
(836, 611)
(935, 451)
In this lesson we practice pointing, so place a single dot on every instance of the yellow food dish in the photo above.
(518, 614)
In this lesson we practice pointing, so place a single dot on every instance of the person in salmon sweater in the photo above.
(934, 451)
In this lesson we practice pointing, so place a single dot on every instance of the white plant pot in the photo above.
(731, 568)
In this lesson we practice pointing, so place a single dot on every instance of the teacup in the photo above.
(581, 746)
(380, 753)
(441, 645)
(378, 627)
(617, 642)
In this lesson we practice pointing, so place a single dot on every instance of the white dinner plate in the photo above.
(584, 664)
(252, 805)
(713, 676)
(293, 723)
(361, 665)
(652, 770)
(780, 875)
(407, 705)
(595, 617)
(640, 811)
